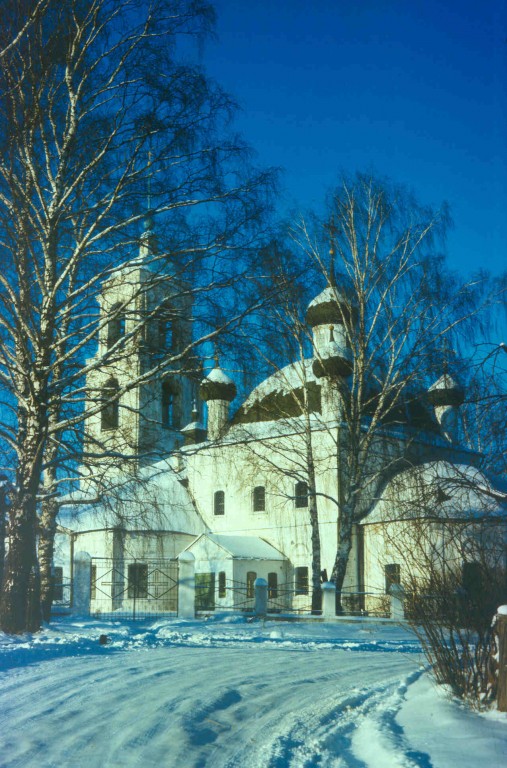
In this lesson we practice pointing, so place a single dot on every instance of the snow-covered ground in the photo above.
(226, 692)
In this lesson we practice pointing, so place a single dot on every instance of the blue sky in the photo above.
(415, 90)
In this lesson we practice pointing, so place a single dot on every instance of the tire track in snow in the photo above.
(358, 731)
(175, 707)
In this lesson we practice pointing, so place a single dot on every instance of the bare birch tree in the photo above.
(396, 306)
(101, 118)
(381, 327)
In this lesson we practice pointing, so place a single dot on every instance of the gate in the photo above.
(133, 588)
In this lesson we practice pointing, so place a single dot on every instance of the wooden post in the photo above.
(501, 630)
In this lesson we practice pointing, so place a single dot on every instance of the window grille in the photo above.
(221, 584)
(205, 591)
(272, 586)
(110, 413)
(250, 582)
(301, 495)
(301, 580)
(58, 583)
(259, 499)
(219, 503)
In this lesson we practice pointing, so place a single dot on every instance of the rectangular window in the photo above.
(204, 591)
(301, 580)
(392, 573)
(259, 499)
(250, 584)
(57, 583)
(110, 413)
(221, 584)
(138, 580)
(301, 495)
(272, 586)
(219, 503)
(93, 582)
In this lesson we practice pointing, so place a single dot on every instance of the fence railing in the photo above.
(62, 596)
(141, 588)
(132, 587)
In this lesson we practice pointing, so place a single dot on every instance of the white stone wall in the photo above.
(236, 468)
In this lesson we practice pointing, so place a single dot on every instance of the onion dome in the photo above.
(334, 359)
(217, 386)
(330, 306)
(445, 391)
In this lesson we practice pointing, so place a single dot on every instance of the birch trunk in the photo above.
(47, 532)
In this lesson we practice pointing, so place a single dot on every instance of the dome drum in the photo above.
(335, 365)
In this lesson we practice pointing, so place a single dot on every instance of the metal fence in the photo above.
(283, 599)
(211, 594)
(133, 588)
(62, 596)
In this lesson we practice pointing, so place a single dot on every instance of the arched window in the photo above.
(168, 400)
(109, 417)
(219, 503)
(166, 330)
(259, 498)
(272, 586)
(250, 584)
(116, 325)
(301, 494)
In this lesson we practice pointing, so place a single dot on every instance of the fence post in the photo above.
(81, 586)
(186, 585)
(501, 630)
(261, 597)
(328, 600)
(397, 595)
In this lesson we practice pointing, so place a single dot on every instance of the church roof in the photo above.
(438, 489)
(274, 397)
(156, 500)
(242, 547)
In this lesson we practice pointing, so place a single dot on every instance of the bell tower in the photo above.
(139, 392)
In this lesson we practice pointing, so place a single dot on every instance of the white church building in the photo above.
(230, 495)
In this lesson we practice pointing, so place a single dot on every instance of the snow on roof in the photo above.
(194, 425)
(444, 382)
(242, 547)
(438, 489)
(217, 375)
(262, 430)
(156, 500)
(284, 381)
(330, 294)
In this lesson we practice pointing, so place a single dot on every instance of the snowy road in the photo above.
(233, 696)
